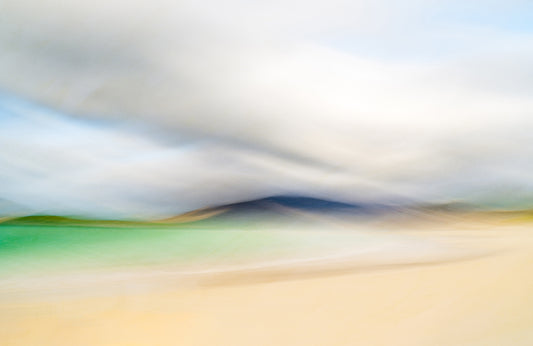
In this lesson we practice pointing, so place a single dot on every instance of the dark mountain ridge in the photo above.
(291, 206)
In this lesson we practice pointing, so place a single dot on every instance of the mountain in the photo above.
(278, 207)
(269, 208)
(310, 204)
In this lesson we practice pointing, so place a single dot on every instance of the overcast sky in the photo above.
(151, 108)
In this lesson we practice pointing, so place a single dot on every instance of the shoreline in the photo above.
(480, 301)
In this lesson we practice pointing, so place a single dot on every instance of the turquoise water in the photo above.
(30, 248)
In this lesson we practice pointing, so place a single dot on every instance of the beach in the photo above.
(483, 299)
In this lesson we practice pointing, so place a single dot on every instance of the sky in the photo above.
(145, 109)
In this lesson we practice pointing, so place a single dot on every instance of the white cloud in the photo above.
(346, 97)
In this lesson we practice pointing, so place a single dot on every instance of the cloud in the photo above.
(342, 98)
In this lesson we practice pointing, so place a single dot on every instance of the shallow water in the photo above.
(43, 249)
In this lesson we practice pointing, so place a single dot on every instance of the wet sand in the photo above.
(483, 299)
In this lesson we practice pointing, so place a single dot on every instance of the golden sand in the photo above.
(477, 300)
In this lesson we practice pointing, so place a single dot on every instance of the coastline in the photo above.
(485, 300)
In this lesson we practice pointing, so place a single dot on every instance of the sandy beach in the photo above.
(477, 300)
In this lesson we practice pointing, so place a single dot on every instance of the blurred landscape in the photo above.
(200, 172)
(87, 281)
(266, 233)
